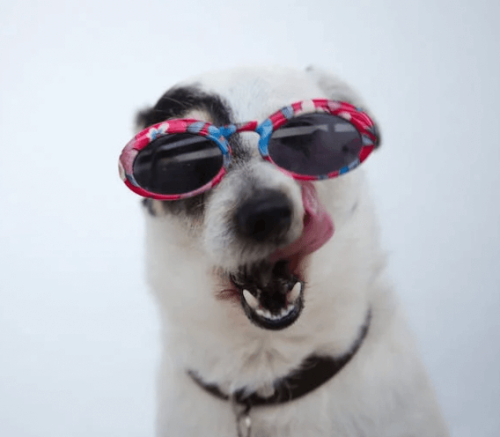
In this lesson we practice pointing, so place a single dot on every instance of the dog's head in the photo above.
(258, 243)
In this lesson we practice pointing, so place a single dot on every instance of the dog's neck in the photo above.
(314, 371)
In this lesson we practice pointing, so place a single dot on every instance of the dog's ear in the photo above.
(336, 89)
(143, 119)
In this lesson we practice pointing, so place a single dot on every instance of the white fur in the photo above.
(383, 391)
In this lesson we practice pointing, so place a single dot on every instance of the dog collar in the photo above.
(313, 373)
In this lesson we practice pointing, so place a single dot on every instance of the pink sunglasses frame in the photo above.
(220, 135)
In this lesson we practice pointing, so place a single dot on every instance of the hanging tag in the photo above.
(243, 420)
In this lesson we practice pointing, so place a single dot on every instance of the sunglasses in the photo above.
(308, 140)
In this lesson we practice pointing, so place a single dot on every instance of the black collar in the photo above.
(314, 372)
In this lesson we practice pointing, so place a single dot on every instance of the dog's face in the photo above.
(249, 253)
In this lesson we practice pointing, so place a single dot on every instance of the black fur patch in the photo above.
(176, 103)
(148, 204)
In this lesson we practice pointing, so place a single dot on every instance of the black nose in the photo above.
(267, 214)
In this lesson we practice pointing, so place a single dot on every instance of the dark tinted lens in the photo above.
(177, 164)
(315, 144)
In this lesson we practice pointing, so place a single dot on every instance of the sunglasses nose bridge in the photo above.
(230, 129)
(249, 126)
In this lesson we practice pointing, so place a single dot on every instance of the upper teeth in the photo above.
(251, 300)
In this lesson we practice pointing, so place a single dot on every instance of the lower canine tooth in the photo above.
(295, 293)
(286, 311)
(250, 299)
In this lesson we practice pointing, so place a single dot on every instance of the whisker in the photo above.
(178, 102)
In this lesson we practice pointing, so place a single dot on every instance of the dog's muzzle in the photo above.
(271, 291)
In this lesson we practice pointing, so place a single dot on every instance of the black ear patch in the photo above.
(177, 102)
(142, 118)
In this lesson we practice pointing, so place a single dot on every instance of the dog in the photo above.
(278, 318)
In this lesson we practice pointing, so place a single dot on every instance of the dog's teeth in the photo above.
(295, 293)
(286, 311)
(264, 313)
(250, 299)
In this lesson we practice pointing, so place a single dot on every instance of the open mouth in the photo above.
(271, 294)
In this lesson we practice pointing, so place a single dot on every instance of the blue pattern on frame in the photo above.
(226, 159)
(222, 144)
(366, 141)
(265, 129)
(155, 133)
(227, 131)
(132, 180)
(353, 164)
(287, 112)
(215, 135)
(212, 130)
(195, 127)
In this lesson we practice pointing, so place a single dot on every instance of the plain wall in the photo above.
(78, 329)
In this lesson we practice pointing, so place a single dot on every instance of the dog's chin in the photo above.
(271, 293)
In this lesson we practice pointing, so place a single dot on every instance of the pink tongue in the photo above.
(318, 227)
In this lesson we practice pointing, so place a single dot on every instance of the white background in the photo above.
(78, 329)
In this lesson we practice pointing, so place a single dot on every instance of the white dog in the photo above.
(268, 333)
